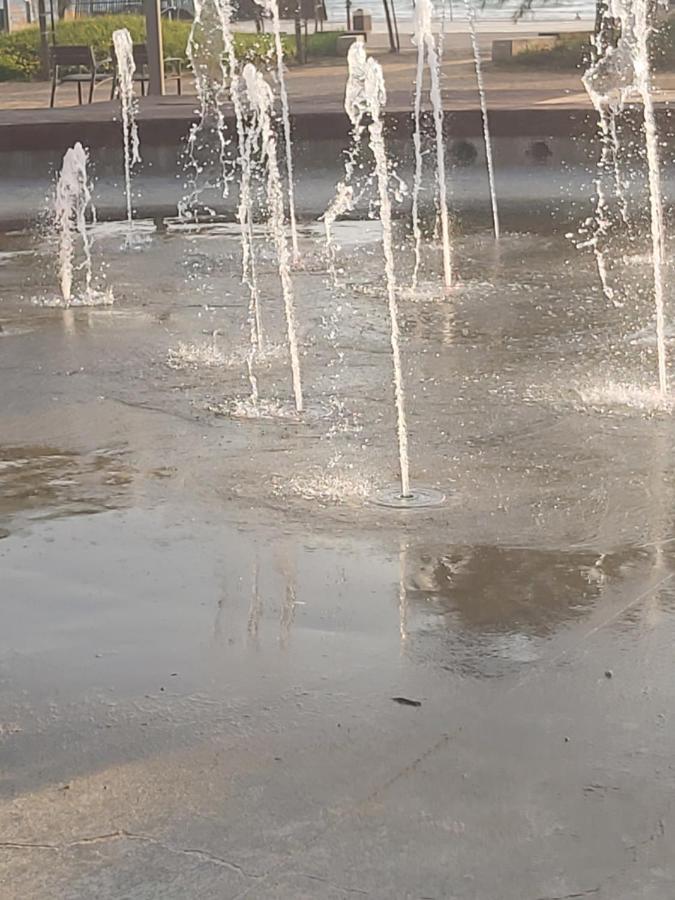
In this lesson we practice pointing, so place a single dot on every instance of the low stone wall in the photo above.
(502, 50)
(40, 131)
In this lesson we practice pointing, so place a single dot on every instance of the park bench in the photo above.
(76, 57)
(172, 67)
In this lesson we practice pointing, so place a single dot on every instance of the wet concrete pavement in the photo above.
(200, 647)
(169, 741)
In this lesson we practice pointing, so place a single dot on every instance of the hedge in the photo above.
(322, 43)
(20, 50)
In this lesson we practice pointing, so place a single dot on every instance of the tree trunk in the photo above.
(390, 27)
(44, 40)
(299, 43)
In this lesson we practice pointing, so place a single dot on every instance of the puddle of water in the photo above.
(38, 482)
(523, 319)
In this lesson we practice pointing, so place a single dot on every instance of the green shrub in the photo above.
(20, 50)
(174, 37)
(256, 48)
(11, 69)
(19, 55)
(323, 43)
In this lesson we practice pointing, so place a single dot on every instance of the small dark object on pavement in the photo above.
(404, 701)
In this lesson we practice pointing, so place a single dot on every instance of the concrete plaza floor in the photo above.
(217, 685)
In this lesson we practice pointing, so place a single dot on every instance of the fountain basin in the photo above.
(204, 613)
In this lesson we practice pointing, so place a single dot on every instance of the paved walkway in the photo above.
(322, 87)
(323, 83)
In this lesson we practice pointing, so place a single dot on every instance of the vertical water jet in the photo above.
(272, 8)
(260, 100)
(126, 67)
(365, 98)
(643, 28)
(621, 66)
(487, 139)
(72, 201)
(426, 43)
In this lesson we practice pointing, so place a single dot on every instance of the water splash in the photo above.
(471, 13)
(598, 226)
(365, 98)
(345, 198)
(342, 203)
(612, 396)
(260, 100)
(619, 182)
(642, 30)
(126, 67)
(72, 202)
(331, 484)
(272, 8)
(425, 40)
(247, 144)
(261, 409)
(93, 298)
(618, 70)
(207, 355)
(211, 51)
(606, 80)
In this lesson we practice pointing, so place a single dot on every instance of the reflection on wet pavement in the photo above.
(489, 610)
(43, 482)
(495, 589)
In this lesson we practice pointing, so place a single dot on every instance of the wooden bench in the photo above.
(80, 58)
(172, 67)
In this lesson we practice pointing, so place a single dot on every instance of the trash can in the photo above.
(362, 20)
